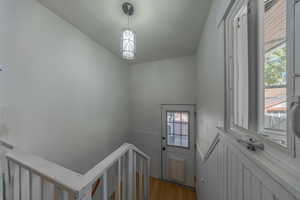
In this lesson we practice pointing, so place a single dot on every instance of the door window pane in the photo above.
(275, 70)
(170, 117)
(178, 129)
(177, 117)
(185, 117)
(170, 128)
(185, 129)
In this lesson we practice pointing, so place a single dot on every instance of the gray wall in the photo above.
(210, 77)
(170, 81)
(210, 95)
(62, 96)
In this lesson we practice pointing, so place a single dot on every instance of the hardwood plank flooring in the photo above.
(161, 190)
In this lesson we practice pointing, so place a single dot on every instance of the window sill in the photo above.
(275, 162)
(273, 137)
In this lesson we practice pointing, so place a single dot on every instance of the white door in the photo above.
(178, 144)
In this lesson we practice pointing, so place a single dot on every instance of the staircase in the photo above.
(123, 175)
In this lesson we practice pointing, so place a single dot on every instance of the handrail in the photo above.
(49, 170)
(68, 179)
(211, 148)
(92, 175)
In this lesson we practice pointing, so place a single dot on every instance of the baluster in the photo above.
(134, 177)
(35, 185)
(30, 184)
(86, 194)
(141, 166)
(71, 196)
(119, 192)
(105, 189)
(147, 180)
(124, 182)
(10, 184)
(58, 193)
(2, 170)
(65, 195)
(42, 188)
(10, 179)
(130, 175)
(6, 181)
(20, 181)
(68, 195)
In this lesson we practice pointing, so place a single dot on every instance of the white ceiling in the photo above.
(164, 28)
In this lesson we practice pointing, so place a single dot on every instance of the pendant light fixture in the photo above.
(128, 39)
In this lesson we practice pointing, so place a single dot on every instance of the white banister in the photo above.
(56, 182)
(47, 170)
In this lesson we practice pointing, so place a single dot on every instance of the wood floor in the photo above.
(161, 190)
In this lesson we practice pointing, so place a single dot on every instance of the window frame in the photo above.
(229, 101)
(261, 88)
(256, 73)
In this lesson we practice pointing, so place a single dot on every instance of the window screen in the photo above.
(178, 129)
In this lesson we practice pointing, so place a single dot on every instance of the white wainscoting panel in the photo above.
(236, 177)
(241, 179)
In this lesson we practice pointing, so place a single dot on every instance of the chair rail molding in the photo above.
(236, 173)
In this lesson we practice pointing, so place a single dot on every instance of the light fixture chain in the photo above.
(128, 21)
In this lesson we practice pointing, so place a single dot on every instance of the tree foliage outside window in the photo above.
(275, 67)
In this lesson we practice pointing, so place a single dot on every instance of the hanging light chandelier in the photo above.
(128, 39)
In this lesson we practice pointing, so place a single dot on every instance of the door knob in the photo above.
(164, 138)
(164, 148)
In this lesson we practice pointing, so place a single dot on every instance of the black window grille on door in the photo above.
(178, 129)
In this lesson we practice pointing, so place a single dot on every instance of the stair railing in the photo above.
(123, 175)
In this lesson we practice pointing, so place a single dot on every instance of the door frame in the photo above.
(190, 145)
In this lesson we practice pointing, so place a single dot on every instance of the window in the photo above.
(238, 71)
(256, 74)
(275, 71)
(178, 129)
(240, 61)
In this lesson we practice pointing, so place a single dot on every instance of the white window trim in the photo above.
(255, 115)
(261, 93)
(291, 71)
(229, 122)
